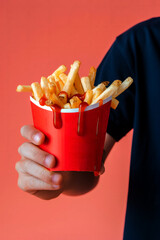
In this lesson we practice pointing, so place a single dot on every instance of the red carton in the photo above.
(78, 141)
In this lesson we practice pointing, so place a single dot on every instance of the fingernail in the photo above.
(56, 178)
(49, 161)
(37, 137)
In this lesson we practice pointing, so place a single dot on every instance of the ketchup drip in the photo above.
(42, 100)
(82, 107)
(57, 120)
(100, 102)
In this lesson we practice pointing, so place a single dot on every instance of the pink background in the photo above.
(36, 37)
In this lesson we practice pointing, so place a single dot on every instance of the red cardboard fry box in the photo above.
(78, 142)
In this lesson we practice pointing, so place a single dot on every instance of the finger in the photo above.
(32, 134)
(30, 151)
(38, 171)
(29, 184)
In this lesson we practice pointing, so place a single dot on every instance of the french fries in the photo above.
(92, 76)
(67, 106)
(109, 91)
(45, 87)
(88, 96)
(75, 102)
(86, 83)
(96, 93)
(71, 77)
(23, 88)
(114, 103)
(56, 100)
(125, 84)
(58, 71)
(37, 90)
(63, 77)
(69, 91)
(78, 84)
(63, 97)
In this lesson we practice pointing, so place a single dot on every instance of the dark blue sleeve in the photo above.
(118, 64)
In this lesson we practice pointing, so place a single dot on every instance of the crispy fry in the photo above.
(100, 86)
(63, 97)
(37, 90)
(63, 77)
(78, 84)
(52, 87)
(52, 80)
(88, 96)
(109, 91)
(67, 106)
(75, 102)
(92, 76)
(71, 77)
(24, 88)
(125, 84)
(114, 103)
(97, 92)
(56, 100)
(86, 83)
(59, 83)
(44, 85)
(73, 91)
(58, 71)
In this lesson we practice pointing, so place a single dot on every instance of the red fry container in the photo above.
(78, 143)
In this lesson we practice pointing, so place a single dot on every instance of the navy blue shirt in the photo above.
(136, 53)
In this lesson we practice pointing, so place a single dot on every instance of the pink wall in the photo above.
(36, 37)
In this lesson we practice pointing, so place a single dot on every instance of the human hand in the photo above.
(34, 177)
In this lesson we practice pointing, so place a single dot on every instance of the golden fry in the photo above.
(59, 83)
(67, 106)
(52, 80)
(97, 92)
(63, 77)
(56, 100)
(114, 103)
(63, 97)
(58, 71)
(92, 76)
(52, 87)
(88, 96)
(100, 86)
(24, 88)
(71, 77)
(37, 90)
(109, 91)
(86, 83)
(44, 85)
(75, 102)
(78, 84)
(125, 84)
